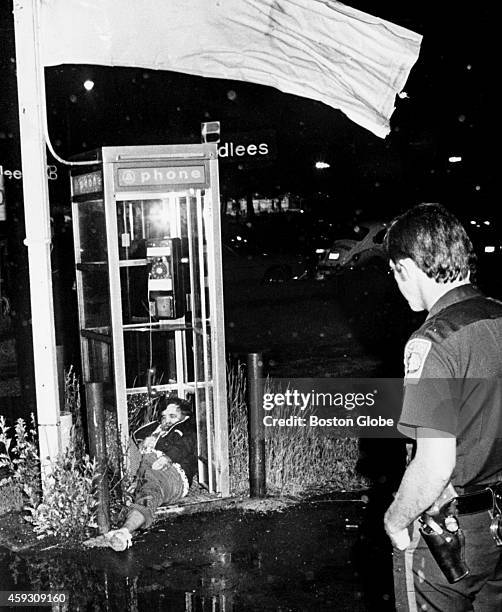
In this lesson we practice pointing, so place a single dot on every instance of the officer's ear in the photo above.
(405, 268)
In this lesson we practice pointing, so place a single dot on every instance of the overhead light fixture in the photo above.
(210, 131)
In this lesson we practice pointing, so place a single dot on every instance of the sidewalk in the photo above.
(323, 554)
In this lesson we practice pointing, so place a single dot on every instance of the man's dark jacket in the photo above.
(179, 443)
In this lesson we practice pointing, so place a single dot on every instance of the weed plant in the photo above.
(69, 506)
(73, 405)
(298, 459)
(141, 409)
(19, 465)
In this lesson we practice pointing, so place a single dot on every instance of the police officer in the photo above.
(452, 409)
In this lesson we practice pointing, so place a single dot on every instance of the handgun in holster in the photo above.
(442, 534)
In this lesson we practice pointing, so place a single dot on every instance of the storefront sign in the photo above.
(91, 182)
(52, 173)
(252, 148)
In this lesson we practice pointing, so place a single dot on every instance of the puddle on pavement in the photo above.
(317, 556)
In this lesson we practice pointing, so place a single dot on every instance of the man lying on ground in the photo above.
(168, 450)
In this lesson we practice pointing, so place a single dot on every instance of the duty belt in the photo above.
(442, 531)
(489, 498)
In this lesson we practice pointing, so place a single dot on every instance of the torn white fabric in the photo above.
(318, 49)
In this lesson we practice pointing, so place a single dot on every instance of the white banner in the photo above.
(318, 49)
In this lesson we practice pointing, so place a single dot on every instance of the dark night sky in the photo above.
(450, 111)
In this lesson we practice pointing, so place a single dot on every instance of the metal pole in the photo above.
(257, 476)
(97, 447)
(211, 215)
(31, 95)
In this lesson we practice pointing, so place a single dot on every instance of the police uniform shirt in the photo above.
(453, 382)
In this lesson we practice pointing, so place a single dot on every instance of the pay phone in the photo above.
(165, 280)
(149, 283)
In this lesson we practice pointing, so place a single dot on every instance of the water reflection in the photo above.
(300, 559)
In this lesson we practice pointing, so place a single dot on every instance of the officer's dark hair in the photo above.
(434, 239)
(183, 405)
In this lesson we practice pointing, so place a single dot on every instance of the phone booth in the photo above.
(146, 223)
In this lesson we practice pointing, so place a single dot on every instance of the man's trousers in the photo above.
(156, 488)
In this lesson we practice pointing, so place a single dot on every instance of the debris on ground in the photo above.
(265, 504)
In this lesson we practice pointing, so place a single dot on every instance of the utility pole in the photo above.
(32, 118)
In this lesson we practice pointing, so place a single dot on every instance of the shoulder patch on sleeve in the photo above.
(415, 354)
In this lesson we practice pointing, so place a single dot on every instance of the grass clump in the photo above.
(238, 448)
(298, 459)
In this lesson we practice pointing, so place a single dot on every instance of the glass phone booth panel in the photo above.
(148, 259)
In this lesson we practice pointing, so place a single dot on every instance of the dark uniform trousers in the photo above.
(419, 584)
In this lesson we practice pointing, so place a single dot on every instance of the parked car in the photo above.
(361, 245)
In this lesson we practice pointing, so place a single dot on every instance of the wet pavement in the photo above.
(319, 555)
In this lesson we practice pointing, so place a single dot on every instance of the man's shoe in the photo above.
(119, 539)
(116, 539)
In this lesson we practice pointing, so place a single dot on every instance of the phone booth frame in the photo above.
(147, 237)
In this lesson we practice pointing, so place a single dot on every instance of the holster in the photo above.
(442, 534)
(448, 551)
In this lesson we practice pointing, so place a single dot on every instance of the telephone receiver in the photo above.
(150, 376)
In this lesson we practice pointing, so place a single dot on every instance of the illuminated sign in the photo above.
(249, 149)
(92, 182)
(52, 173)
(161, 176)
(230, 149)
